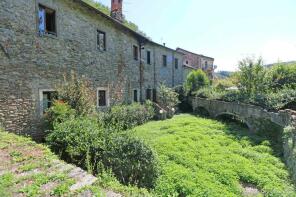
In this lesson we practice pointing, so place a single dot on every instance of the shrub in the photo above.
(83, 142)
(196, 80)
(78, 94)
(123, 117)
(183, 98)
(58, 113)
(168, 99)
(80, 141)
(282, 75)
(132, 161)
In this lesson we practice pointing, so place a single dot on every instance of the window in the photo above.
(135, 52)
(164, 60)
(186, 61)
(136, 96)
(47, 21)
(47, 98)
(102, 97)
(148, 57)
(176, 63)
(149, 94)
(154, 96)
(101, 40)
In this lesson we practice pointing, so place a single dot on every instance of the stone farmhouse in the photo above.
(42, 41)
(193, 61)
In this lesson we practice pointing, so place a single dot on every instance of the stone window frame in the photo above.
(98, 31)
(41, 91)
(138, 95)
(43, 4)
(107, 97)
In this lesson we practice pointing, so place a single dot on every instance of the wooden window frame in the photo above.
(52, 33)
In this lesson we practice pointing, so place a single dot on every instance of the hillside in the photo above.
(30, 169)
(203, 157)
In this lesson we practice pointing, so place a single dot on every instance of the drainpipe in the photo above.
(141, 68)
(173, 71)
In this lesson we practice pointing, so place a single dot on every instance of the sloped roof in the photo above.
(120, 25)
(186, 51)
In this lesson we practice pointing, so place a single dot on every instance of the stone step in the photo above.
(85, 181)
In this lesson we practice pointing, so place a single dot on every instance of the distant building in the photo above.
(196, 61)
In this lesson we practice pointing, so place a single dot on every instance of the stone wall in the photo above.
(289, 145)
(30, 63)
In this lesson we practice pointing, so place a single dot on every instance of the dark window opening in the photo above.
(176, 63)
(101, 40)
(135, 52)
(102, 96)
(47, 21)
(186, 61)
(164, 60)
(148, 57)
(149, 94)
(47, 99)
(135, 95)
(154, 95)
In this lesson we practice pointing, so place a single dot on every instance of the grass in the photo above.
(203, 157)
(26, 167)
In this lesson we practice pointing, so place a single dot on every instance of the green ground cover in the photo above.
(31, 169)
(203, 157)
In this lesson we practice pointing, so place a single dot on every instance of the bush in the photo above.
(58, 113)
(167, 99)
(123, 117)
(79, 141)
(183, 98)
(83, 142)
(196, 80)
(78, 94)
(132, 161)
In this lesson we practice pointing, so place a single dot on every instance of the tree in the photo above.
(252, 76)
(196, 80)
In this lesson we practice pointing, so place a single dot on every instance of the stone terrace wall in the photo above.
(289, 144)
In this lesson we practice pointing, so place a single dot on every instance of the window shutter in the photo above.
(41, 15)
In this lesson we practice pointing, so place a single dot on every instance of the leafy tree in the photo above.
(252, 76)
(196, 80)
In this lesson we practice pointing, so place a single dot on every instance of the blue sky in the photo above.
(227, 30)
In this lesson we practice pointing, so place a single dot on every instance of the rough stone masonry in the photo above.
(42, 41)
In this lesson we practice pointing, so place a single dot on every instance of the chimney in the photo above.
(116, 10)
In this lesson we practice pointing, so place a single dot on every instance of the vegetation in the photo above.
(272, 88)
(78, 94)
(202, 157)
(30, 169)
(100, 144)
(123, 117)
(196, 80)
